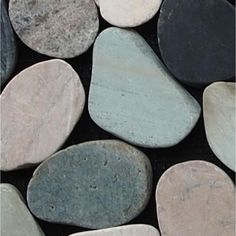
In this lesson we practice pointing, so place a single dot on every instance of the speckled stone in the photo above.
(39, 108)
(97, 184)
(16, 219)
(62, 29)
(197, 40)
(127, 230)
(220, 122)
(128, 13)
(195, 198)
(133, 96)
(8, 46)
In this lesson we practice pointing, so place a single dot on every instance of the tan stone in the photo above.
(128, 230)
(195, 198)
(39, 109)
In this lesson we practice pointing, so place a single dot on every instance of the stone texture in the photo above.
(219, 118)
(63, 29)
(133, 96)
(197, 40)
(8, 46)
(128, 13)
(96, 184)
(39, 109)
(195, 198)
(128, 230)
(16, 219)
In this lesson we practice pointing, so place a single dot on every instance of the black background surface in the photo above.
(194, 147)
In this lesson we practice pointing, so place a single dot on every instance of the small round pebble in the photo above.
(97, 184)
(195, 198)
(39, 109)
(129, 13)
(63, 29)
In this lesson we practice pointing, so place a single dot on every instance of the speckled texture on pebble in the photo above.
(16, 219)
(133, 96)
(195, 198)
(62, 29)
(96, 184)
(8, 46)
(219, 112)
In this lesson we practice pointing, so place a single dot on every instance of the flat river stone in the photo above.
(16, 219)
(39, 108)
(197, 40)
(127, 230)
(133, 96)
(96, 184)
(128, 13)
(8, 46)
(219, 118)
(195, 198)
(63, 29)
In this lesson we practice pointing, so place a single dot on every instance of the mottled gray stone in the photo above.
(127, 230)
(219, 107)
(133, 96)
(8, 46)
(63, 29)
(96, 184)
(195, 198)
(16, 219)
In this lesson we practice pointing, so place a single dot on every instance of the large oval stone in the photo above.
(39, 109)
(63, 29)
(16, 219)
(97, 184)
(133, 96)
(219, 118)
(128, 13)
(195, 198)
(197, 40)
(127, 230)
(8, 46)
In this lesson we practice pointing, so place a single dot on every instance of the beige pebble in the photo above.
(39, 109)
(195, 198)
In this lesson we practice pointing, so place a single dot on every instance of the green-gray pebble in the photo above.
(96, 184)
(133, 96)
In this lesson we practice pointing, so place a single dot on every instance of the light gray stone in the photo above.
(195, 198)
(133, 96)
(16, 219)
(62, 29)
(219, 111)
(39, 109)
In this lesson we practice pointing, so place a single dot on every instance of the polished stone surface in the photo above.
(62, 29)
(219, 109)
(133, 96)
(127, 230)
(16, 219)
(8, 46)
(39, 109)
(97, 184)
(195, 198)
(128, 13)
(197, 40)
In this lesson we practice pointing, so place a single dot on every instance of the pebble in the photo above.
(8, 46)
(195, 198)
(16, 219)
(219, 119)
(39, 109)
(197, 40)
(127, 230)
(128, 13)
(62, 29)
(97, 184)
(133, 96)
